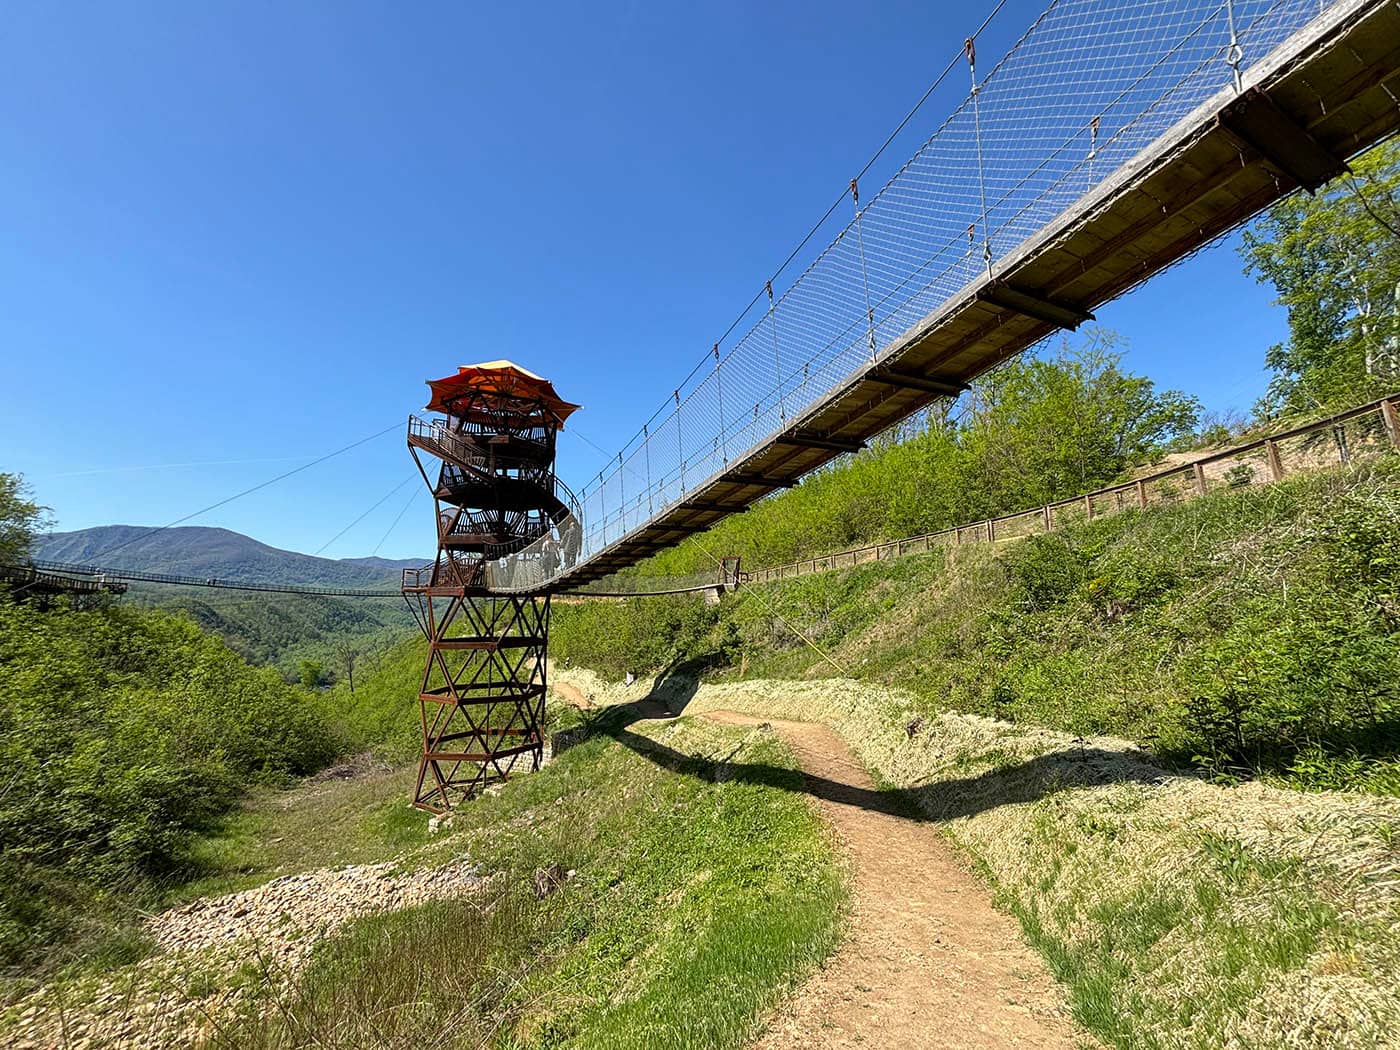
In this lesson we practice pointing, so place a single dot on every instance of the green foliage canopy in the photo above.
(20, 520)
(1254, 630)
(122, 731)
(1335, 260)
(1040, 428)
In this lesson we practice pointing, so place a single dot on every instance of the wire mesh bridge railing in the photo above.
(1090, 90)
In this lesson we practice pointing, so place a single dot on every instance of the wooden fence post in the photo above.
(1275, 460)
(991, 531)
(1391, 417)
(1088, 505)
(1048, 523)
(1141, 494)
(1200, 473)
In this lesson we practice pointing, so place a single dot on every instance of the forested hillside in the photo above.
(122, 732)
(193, 550)
(128, 730)
(315, 638)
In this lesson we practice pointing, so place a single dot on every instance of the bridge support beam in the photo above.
(1254, 120)
(925, 384)
(718, 508)
(759, 479)
(815, 441)
(1017, 300)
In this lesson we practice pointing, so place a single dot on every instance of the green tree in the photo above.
(310, 673)
(20, 520)
(124, 731)
(1044, 428)
(1334, 259)
(1040, 428)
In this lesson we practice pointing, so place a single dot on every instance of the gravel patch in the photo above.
(175, 997)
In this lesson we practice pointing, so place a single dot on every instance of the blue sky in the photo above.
(240, 235)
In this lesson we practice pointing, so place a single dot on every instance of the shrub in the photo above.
(1284, 679)
(122, 732)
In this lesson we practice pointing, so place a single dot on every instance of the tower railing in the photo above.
(532, 567)
(441, 438)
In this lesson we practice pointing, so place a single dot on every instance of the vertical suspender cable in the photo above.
(864, 276)
(1234, 54)
(777, 360)
(1093, 148)
(646, 444)
(622, 489)
(970, 50)
(719, 386)
(680, 448)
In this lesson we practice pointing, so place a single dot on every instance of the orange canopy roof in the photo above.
(503, 379)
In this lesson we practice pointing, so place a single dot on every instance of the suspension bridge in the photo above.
(1113, 140)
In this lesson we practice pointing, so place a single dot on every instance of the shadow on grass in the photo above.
(1017, 782)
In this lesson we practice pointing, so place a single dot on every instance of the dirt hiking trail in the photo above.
(929, 963)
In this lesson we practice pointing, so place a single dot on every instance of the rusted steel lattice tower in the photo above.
(490, 467)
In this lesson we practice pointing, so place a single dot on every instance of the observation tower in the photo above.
(505, 525)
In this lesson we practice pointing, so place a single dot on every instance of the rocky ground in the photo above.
(216, 955)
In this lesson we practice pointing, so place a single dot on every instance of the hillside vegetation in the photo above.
(129, 734)
(148, 764)
(1040, 428)
(336, 636)
(314, 639)
(1253, 631)
(1179, 914)
(697, 899)
(621, 900)
(122, 733)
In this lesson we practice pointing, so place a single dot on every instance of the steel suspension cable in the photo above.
(249, 491)
(373, 507)
(395, 524)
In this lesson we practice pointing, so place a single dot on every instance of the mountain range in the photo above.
(195, 550)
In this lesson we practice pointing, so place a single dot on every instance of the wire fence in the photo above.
(1089, 87)
(1355, 435)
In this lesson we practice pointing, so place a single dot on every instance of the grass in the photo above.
(319, 823)
(426, 976)
(682, 905)
(1251, 632)
(1180, 914)
(1238, 920)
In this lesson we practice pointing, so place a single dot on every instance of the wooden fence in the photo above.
(1361, 432)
